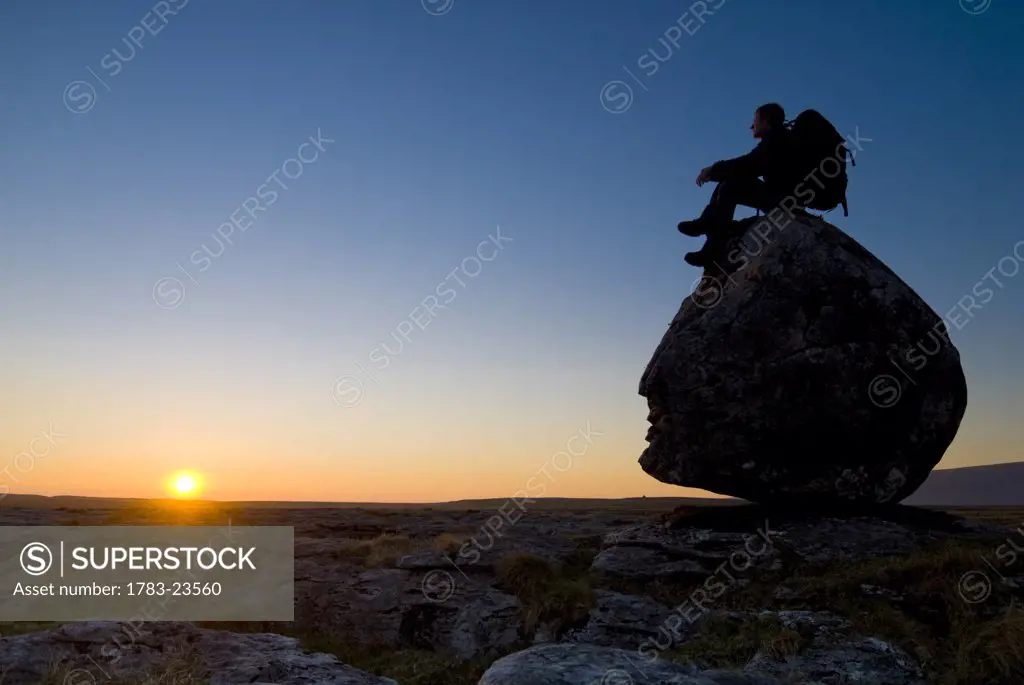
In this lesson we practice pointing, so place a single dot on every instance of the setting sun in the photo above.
(184, 484)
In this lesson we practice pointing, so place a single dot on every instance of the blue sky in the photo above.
(449, 120)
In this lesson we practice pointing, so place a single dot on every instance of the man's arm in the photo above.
(750, 165)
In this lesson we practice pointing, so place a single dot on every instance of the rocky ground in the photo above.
(740, 595)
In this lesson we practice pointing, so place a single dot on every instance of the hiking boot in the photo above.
(700, 258)
(694, 228)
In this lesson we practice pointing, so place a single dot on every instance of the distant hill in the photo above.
(995, 485)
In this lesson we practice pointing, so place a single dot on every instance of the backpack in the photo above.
(815, 140)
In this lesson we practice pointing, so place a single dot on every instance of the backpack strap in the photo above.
(846, 210)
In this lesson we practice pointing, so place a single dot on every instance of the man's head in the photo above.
(766, 118)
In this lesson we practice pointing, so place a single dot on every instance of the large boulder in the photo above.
(802, 367)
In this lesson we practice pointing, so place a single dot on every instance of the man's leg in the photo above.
(720, 211)
(718, 216)
(749, 192)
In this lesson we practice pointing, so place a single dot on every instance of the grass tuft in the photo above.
(380, 552)
(727, 643)
(182, 668)
(548, 598)
(989, 653)
(449, 543)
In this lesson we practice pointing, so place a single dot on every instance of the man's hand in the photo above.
(704, 176)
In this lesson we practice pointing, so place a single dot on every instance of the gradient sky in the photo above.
(447, 124)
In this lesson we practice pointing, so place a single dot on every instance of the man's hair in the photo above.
(773, 114)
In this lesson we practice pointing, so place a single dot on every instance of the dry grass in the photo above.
(449, 543)
(183, 668)
(556, 600)
(724, 643)
(11, 628)
(991, 653)
(525, 575)
(385, 550)
(381, 552)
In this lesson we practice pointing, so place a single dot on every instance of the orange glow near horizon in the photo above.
(438, 458)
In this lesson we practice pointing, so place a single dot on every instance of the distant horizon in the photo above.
(198, 500)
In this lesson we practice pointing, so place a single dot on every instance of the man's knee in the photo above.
(740, 183)
(749, 192)
(735, 189)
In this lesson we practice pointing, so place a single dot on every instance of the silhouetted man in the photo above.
(738, 182)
